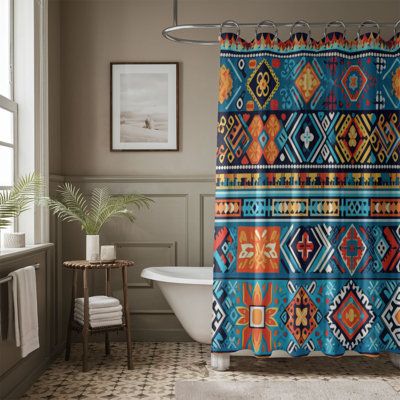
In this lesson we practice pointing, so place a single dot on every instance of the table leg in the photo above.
(107, 343)
(71, 316)
(85, 330)
(108, 292)
(127, 317)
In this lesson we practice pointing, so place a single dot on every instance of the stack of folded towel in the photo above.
(103, 311)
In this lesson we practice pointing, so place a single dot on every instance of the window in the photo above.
(23, 103)
(8, 107)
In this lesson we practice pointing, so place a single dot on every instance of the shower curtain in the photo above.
(307, 231)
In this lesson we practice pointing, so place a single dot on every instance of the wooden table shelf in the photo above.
(85, 329)
(77, 327)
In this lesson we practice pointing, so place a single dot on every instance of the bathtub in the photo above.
(188, 291)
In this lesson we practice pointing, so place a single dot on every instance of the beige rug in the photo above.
(340, 389)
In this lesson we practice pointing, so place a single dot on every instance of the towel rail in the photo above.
(9, 278)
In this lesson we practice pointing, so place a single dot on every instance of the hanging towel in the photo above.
(96, 317)
(98, 302)
(95, 311)
(25, 309)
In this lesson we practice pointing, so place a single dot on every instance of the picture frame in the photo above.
(144, 106)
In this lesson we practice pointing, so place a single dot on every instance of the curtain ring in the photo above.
(267, 22)
(337, 22)
(396, 25)
(367, 23)
(231, 23)
(302, 23)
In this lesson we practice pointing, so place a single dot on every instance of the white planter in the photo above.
(92, 247)
(13, 240)
(108, 253)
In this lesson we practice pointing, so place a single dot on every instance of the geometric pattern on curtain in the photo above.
(307, 209)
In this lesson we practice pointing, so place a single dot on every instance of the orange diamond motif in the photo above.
(354, 81)
(307, 82)
(302, 316)
(256, 127)
(254, 153)
(272, 127)
(351, 315)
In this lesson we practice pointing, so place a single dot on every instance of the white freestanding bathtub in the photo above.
(188, 291)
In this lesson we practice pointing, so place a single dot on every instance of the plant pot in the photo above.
(92, 248)
(13, 240)
(107, 253)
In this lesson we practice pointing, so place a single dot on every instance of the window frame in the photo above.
(29, 104)
(10, 105)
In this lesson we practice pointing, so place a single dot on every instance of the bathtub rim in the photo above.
(166, 274)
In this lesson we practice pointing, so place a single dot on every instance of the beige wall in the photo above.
(54, 44)
(85, 37)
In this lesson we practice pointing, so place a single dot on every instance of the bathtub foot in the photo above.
(220, 361)
(395, 358)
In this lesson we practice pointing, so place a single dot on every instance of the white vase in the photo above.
(92, 247)
(13, 240)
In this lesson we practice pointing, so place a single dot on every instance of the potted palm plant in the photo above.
(13, 202)
(92, 213)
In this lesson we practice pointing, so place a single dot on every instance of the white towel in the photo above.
(100, 323)
(98, 301)
(25, 309)
(96, 317)
(102, 310)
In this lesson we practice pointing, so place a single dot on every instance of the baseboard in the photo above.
(161, 335)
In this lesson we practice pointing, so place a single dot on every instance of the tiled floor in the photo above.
(157, 366)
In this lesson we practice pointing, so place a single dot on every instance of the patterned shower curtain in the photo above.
(307, 231)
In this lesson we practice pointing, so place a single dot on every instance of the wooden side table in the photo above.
(85, 329)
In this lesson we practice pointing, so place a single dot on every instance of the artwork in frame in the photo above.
(144, 106)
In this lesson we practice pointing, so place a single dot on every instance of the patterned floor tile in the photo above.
(158, 366)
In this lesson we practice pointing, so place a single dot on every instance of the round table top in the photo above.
(83, 264)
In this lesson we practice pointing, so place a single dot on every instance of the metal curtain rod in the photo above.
(168, 32)
(9, 278)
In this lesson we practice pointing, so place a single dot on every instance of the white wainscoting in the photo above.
(176, 230)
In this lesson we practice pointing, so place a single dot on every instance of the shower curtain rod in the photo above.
(168, 32)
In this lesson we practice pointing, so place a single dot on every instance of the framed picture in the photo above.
(144, 106)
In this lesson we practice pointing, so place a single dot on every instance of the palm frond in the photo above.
(63, 212)
(16, 200)
(73, 199)
(4, 223)
(117, 207)
(99, 201)
(92, 215)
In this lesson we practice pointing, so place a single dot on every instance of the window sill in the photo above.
(8, 254)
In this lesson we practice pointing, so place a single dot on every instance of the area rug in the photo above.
(339, 389)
